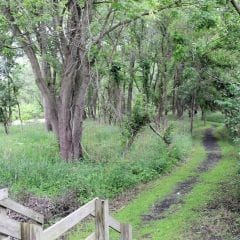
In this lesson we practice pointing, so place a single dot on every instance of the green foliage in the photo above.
(9, 91)
(231, 108)
(140, 116)
(167, 135)
(31, 111)
(180, 146)
(32, 162)
(216, 117)
(115, 72)
(179, 218)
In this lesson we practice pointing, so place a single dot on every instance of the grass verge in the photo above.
(182, 219)
(159, 189)
(30, 163)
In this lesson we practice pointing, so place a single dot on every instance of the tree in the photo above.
(9, 91)
(57, 37)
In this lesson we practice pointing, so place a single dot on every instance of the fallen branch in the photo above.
(236, 5)
(155, 131)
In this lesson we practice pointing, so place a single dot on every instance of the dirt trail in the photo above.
(160, 209)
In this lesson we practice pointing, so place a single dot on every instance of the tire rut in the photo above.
(160, 209)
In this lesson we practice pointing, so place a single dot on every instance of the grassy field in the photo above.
(30, 162)
(181, 221)
(159, 189)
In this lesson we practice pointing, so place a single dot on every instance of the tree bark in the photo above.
(203, 115)
(180, 108)
(130, 86)
(236, 6)
(192, 112)
(95, 96)
(64, 112)
(176, 84)
(5, 124)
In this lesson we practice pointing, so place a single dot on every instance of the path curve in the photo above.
(159, 210)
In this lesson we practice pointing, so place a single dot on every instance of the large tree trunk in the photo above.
(64, 108)
(177, 105)
(118, 103)
(129, 97)
(6, 128)
(65, 113)
(180, 108)
(47, 117)
(176, 84)
(95, 96)
(192, 112)
(123, 98)
(71, 107)
(161, 109)
(160, 118)
(130, 86)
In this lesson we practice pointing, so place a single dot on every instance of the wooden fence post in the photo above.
(101, 218)
(3, 210)
(126, 231)
(31, 232)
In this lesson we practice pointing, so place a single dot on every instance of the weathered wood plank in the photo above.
(106, 219)
(3, 193)
(126, 231)
(91, 237)
(101, 219)
(69, 222)
(4, 238)
(114, 224)
(10, 204)
(3, 212)
(31, 232)
(10, 227)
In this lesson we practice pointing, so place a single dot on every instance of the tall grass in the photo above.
(29, 161)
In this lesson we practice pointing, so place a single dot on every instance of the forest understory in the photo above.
(135, 101)
(194, 197)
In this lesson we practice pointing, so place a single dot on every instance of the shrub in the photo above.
(217, 117)
(140, 116)
(180, 147)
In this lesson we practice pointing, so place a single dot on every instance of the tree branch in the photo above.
(26, 44)
(236, 5)
(155, 131)
(127, 21)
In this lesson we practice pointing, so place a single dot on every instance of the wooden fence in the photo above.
(28, 231)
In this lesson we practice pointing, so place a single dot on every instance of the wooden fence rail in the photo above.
(28, 231)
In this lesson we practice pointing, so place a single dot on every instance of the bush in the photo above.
(31, 111)
(217, 117)
(140, 116)
(180, 147)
